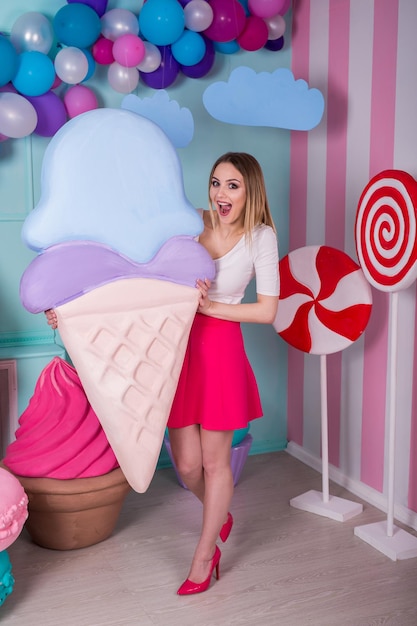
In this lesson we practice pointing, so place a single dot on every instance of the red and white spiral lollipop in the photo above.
(385, 230)
(325, 301)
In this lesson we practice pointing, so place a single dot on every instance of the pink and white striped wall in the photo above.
(362, 55)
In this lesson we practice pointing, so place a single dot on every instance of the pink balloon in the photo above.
(265, 8)
(228, 20)
(102, 51)
(57, 82)
(255, 34)
(285, 6)
(79, 99)
(129, 50)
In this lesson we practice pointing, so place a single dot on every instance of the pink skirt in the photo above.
(217, 387)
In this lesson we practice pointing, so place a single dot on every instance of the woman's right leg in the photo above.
(186, 451)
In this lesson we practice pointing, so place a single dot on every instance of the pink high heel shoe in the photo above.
(188, 587)
(226, 528)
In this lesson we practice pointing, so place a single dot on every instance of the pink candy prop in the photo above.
(325, 300)
(385, 230)
(13, 508)
(386, 243)
(325, 304)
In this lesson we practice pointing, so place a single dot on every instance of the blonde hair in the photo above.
(257, 209)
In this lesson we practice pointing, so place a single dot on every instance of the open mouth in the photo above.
(224, 209)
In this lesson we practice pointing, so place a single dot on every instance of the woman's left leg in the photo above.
(218, 492)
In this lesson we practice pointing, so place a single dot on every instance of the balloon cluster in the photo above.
(45, 64)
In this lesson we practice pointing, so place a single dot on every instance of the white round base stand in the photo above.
(385, 536)
(401, 545)
(335, 508)
(323, 503)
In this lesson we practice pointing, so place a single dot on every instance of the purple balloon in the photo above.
(204, 66)
(166, 73)
(51, 112)
(99, 6)
(8, 88)
(275, 44)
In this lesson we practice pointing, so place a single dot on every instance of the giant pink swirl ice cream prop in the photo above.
(118, 261)
(59, 435)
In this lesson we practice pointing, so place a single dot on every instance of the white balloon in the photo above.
(152, 59)
(71, 65)
(122, 79)
(117, 22)
(18, 117)
(198, 15)
(32, 31)
(276, 26)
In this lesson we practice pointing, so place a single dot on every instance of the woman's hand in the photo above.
(204, 302)
(51, 318)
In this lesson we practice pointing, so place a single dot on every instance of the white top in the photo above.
(235, 269)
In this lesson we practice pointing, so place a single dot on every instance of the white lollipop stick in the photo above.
(385, 536)
(324, 504)
(324, 307)
(390, 198)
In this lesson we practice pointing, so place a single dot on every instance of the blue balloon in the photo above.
(228, 47)
(204, 66)
(189, 49)
(8, 56)
(161, 21)
(91, 64)
(35, 73)
(77, 25)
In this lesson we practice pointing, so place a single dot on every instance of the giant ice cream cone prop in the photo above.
(119, 266)
(129, 360)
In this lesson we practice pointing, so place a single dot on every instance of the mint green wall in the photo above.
(20, 162)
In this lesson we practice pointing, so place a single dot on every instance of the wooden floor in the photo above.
(280, 567)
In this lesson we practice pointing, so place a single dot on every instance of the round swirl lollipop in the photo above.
(325, 300)
(385, 230)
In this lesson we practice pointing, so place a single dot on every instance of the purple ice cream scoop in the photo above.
(68, 270)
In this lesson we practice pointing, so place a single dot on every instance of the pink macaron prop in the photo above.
(386, 243)
(13, 514)
(325, 305)
(13, 508)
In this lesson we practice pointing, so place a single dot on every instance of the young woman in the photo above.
(217, 391)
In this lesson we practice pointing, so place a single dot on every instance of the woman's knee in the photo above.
(189, 467)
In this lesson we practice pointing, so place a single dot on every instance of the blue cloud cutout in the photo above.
(273, 99)
(177, 123)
